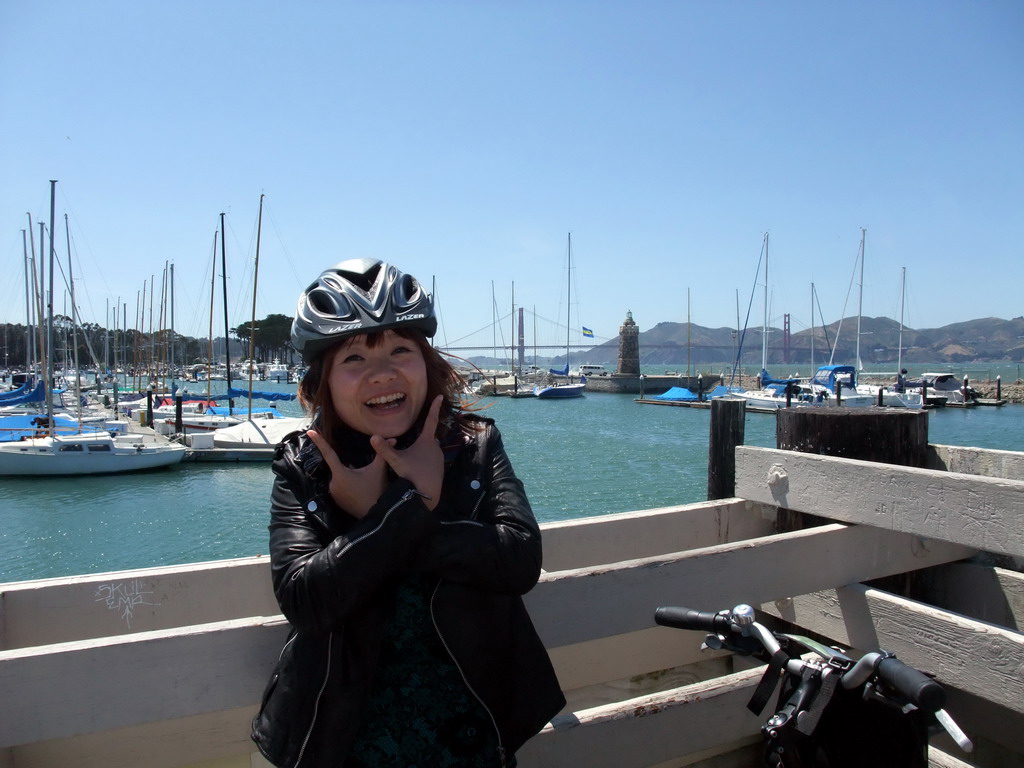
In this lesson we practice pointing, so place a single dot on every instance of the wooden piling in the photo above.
(728, 419)
(886, 435)
(891, 436)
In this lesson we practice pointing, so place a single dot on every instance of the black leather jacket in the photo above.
(334, 577)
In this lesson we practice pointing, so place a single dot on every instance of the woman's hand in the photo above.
(354, 490)
(422, 463)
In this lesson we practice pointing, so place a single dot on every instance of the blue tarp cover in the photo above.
(262, 395)
(11, 394)
(676, 393)
(37, 395)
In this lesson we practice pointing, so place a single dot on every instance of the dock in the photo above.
(921, 555)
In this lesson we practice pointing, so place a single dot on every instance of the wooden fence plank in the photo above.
(56, 691)
(574, 606)
(632, 535)
(978, 591)
(48, 611)
(982, 512)
(646, 731)
(976, 461)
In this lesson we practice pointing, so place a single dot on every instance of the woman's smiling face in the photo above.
(379, 389)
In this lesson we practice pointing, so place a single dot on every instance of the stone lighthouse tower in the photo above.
(629, 347)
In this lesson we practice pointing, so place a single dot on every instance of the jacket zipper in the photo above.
(330, 638)
(316, 704)
(469, 687)
(501, 747)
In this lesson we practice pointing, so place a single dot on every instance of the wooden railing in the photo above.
(165, 666)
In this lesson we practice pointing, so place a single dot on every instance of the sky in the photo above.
(464, 142)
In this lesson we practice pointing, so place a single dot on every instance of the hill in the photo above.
(988, 339)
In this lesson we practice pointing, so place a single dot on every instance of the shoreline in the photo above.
(1012, 392)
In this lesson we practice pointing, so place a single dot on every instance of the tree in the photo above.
(272, 336)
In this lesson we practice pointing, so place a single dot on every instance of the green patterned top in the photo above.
(420, 713)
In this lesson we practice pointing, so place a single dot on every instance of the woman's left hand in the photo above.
(422, 463)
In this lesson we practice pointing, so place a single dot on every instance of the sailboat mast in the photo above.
(903, 297)
(512, 338)
(28, 306)
(74, 326)
(860, 300)
(812, 327)
(48, 375)
(224, 283)
(688, 327)
(764, 326)
(213, 293)
(568, 304)
(252, 325)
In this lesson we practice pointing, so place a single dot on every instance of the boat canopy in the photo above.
(560, 371)
(829, 375)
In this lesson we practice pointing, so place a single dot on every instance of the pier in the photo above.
(164, 667)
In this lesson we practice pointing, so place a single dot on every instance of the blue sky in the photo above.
(464, 140)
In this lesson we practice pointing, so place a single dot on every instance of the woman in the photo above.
(401, 542)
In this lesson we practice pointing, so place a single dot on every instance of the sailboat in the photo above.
(561, 391)
(772, 392)
(49, 453)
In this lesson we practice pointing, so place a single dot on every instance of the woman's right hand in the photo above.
(354, 490)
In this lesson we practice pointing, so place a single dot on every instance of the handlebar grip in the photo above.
(688, 618)
(919, 689)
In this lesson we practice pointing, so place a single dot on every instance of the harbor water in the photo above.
(599, 454)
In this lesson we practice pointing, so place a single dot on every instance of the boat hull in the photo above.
(85, 454)
(559, 392)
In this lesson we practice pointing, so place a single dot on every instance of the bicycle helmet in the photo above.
(358, 296)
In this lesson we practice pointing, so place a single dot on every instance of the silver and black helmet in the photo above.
(359, 296)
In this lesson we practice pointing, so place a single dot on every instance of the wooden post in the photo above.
(728, 419)
(149, 406)
(887, 435)
(881, 390)
(891, 436)
(177, 413)
(999, 388)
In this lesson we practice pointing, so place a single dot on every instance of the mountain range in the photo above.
(987, 339)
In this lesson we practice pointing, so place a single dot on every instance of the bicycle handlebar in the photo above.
(914, 686)
(688, 618)
(920, 690)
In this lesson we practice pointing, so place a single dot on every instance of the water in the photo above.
(598, 454)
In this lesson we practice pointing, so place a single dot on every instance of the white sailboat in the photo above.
(92, 453)
(569, 389)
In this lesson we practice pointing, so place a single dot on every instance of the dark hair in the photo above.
(442, 379)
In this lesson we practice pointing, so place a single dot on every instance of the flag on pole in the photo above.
(587, 332)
